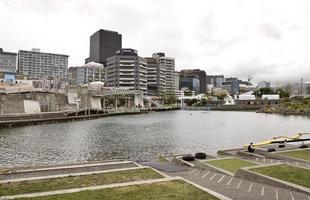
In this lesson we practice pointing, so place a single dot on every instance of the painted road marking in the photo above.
(212, 177)
(221, 179)
(277, 194)
(206, 174)
(292, 196)
(230, 181)
(250, 187)
(239, 184)
(263, 188)
(257, 159)
(264, 159)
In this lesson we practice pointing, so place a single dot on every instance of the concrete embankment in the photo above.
(22, 119)
(227, 108)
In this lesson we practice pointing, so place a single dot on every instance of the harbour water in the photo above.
(141, 137)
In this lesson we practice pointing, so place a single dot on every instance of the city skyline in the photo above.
(267, 40)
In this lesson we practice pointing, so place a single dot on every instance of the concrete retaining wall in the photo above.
(49, 102)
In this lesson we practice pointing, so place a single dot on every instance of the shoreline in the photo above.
(22, 119)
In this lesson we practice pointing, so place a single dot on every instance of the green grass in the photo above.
(301, 154)
(287, 173)
(23, 187)
(172, 190)
(230, 164)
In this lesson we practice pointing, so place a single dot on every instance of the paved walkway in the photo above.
(236, 188)
(264, 160)
(73, 169)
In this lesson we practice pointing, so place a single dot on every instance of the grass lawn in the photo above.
(230, 164)
(172, 190)
(287, 173)
(76, 181)
(301, 154)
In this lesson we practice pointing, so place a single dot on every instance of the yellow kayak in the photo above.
(282, 139)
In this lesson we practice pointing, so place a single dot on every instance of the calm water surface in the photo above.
(141, 137)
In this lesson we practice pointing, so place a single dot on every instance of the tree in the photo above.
(170, 99)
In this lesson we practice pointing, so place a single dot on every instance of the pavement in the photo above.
(63, 170)
(236, 188)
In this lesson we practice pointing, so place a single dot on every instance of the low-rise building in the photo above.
(215, 80)
(231, 85)
(90, 72)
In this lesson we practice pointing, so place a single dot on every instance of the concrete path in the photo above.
(236, 188)
(264, 160)
(73, 169)
(165, 166)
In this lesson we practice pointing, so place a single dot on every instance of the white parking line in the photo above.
(263, 188)
(239, 184)
(292, 196)
(271, 160)
(230, 181)
(212, 177)
(250, 187)
(221, 179)
(277, 194)
(206, 174)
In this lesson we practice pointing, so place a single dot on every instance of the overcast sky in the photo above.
(266, 39)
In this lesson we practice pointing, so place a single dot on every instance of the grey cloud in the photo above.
(271, 31)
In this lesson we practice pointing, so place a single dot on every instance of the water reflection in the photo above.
(141, 137)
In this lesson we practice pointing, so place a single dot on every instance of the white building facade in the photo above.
(127, 70)
(38, 65)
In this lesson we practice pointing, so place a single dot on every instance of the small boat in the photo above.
(283, 139)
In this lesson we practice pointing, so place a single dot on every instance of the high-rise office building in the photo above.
(90, 72)
(7, 61)
(193, 74)
(155, 78)
(127, 70)
(39, 65)
(103, 44)
(167, 63)
(176, 80)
